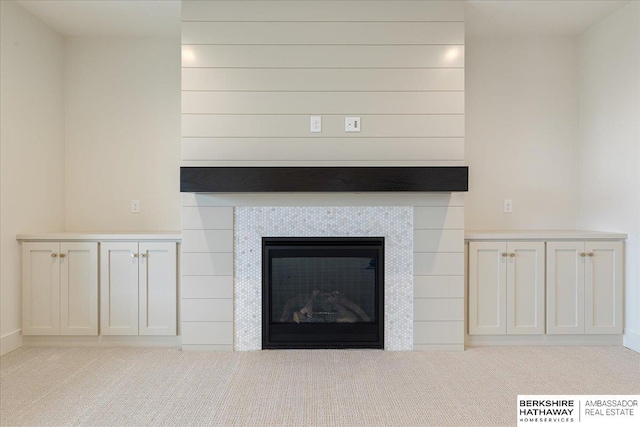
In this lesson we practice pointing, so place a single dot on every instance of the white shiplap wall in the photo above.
(254, 71)
(207, 263)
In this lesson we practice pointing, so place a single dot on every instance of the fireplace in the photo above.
(322, 292)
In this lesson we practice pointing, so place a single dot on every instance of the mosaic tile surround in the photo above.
(395, 223)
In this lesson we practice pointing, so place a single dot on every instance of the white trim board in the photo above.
(10, 342)
(102, 341)
(631, 340)
(541, 340)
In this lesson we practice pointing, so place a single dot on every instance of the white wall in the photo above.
(609, 105)
(521, 132)
(253, 73)
(32, 147)
(122, 98)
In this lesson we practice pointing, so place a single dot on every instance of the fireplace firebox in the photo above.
(322, 292)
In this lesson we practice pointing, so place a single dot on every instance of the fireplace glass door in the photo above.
(323, 292)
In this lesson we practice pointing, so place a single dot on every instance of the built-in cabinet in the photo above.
(138, 288)
(98, 287)
(584, 287)
(549, 285)
(506, 288)
(59, 288)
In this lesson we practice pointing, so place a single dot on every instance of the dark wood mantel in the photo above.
(323, 179)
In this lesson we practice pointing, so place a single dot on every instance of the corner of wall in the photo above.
(11, 341)
(631, 340)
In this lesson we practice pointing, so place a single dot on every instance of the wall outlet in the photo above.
(352, 124)
(316, 124)
(508, 206)
(135, 206)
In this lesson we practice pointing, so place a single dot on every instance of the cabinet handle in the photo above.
(62, 255)
(54, 255)
(134, 255)
(582, 254)
(512, 255)
(504, 254)
(590, 254)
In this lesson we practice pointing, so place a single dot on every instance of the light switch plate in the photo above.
(316, 124)
(135, 206)
(352, 124)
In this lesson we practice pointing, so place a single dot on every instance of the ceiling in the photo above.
(161, 18)
(109, 18)
(535, 17)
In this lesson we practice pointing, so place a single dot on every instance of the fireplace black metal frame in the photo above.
(322, 335)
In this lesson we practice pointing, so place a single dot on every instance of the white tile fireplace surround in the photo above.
(221, 287)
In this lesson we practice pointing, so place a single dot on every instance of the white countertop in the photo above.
(542, 235)
(102, 236)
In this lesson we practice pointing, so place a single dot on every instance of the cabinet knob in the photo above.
(62, 255)
(582, 254)
(590, 254)
(504, 254)
(512, 255)
(143, 255)
(54, 255)
(134, 255)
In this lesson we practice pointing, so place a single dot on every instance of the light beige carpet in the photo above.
(150, 386)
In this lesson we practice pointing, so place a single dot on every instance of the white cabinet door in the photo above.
(157, 289)
(78, 288)
(525, 288)
(40, 288)
(487, 288)
(119, 288)
(603, 288)
(565, 287)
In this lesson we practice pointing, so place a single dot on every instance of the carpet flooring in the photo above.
(160, 386)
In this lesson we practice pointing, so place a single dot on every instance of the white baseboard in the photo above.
(102, 341)
(438, 347)
(631, 340)
(541, 340)
(210, 347)
(10, 342)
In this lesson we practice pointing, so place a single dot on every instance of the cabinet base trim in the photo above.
(102, 341)
(540, 340)
(10, 342)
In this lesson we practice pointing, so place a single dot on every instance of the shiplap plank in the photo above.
(438, 332)
(207, 241)
(207, 218)
(438, 309)
(322, 102)
(438, 286)
(438, 218)
(310, 11)
(320, 163)
(208, 347)
(438, 240)
(256, 79)
(207, 310)
(322, 33)
(437, 347)
(206, 287)
(323, 199)
(200, 333)
(255, 126)
(441, 56)
(319, 149)
(438, 264)
(203, 264)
